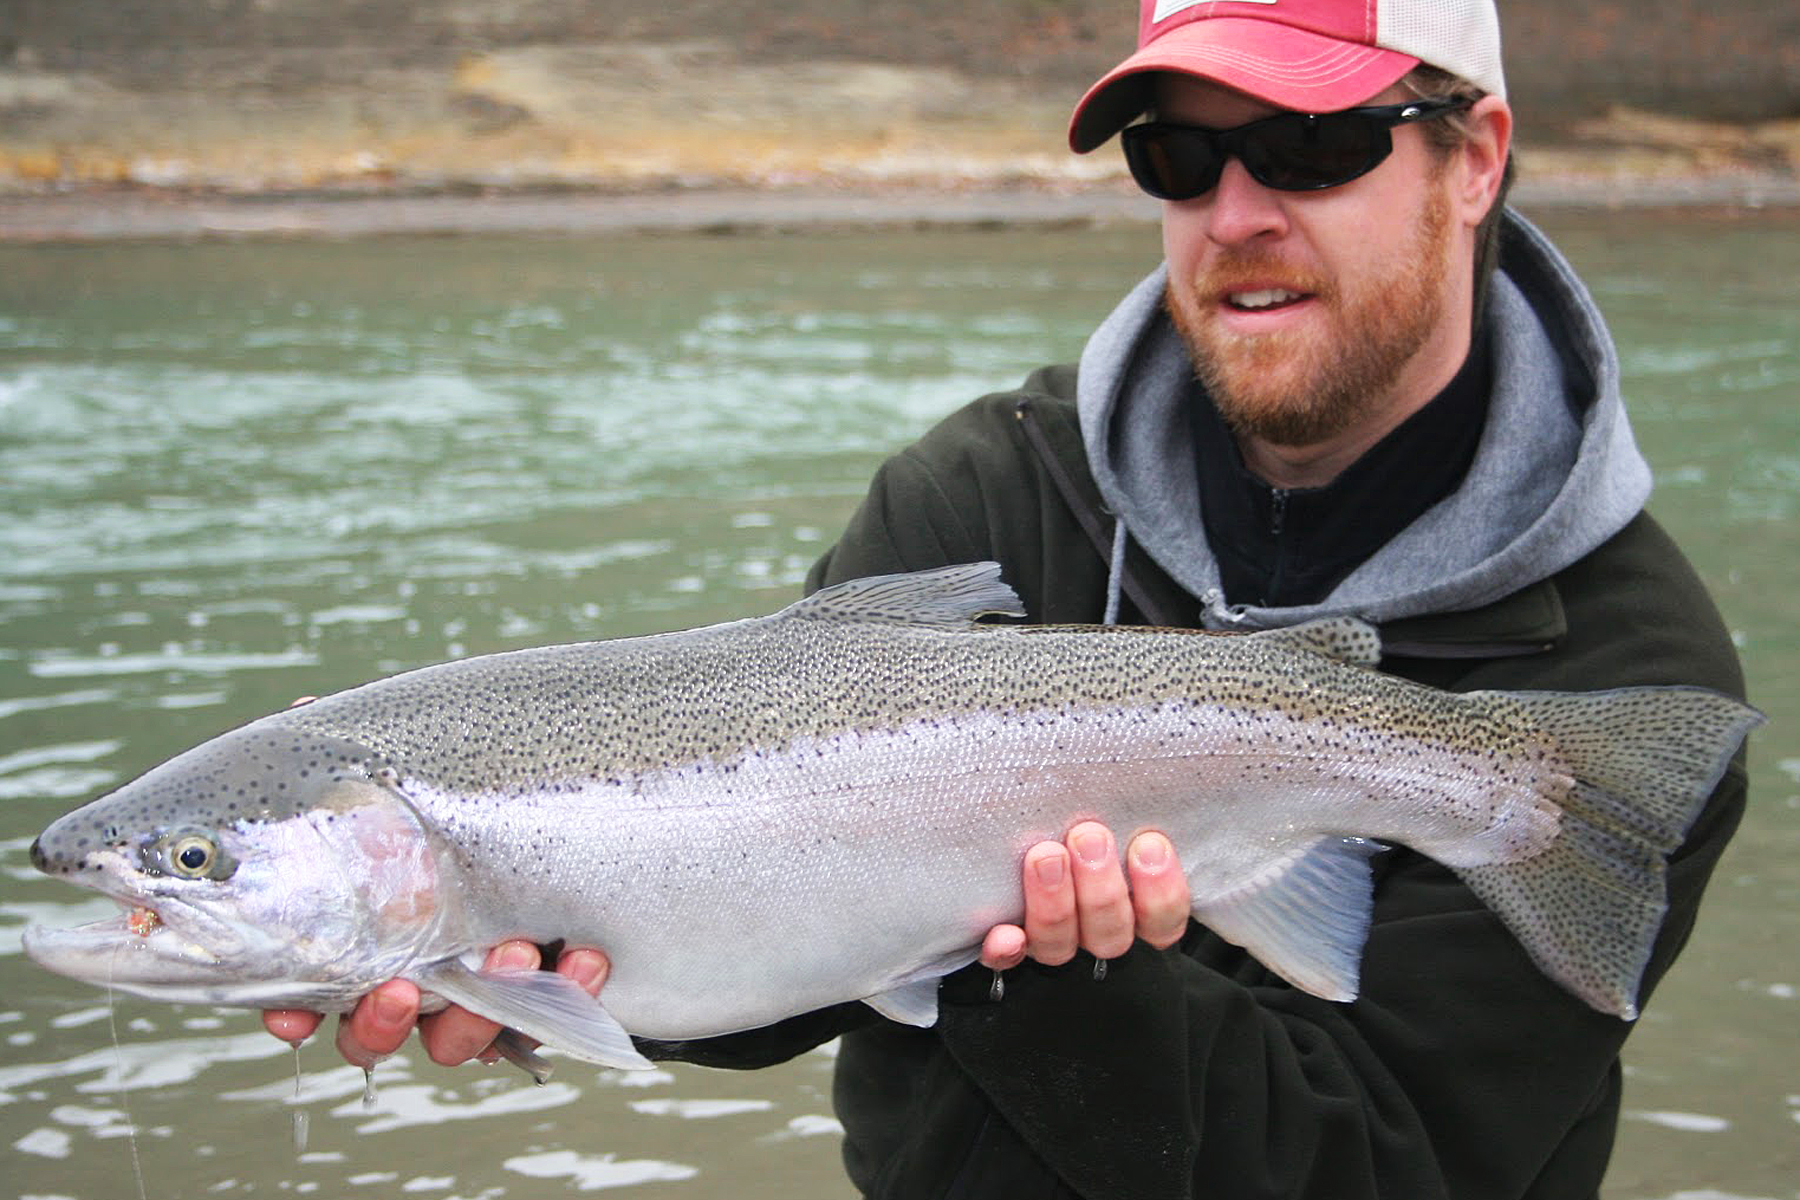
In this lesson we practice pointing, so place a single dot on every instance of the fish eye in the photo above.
(191, 855)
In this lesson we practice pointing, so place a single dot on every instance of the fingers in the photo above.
(1078, 896)
(1003, 948)
(1051, 930)
(589, 968)
(379, 1023)
(1102, 900)
(456, 1035)
(1160, 900)
(291, 1024)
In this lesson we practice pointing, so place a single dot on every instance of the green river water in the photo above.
(235, 473)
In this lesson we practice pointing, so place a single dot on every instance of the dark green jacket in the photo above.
(1460, 1071)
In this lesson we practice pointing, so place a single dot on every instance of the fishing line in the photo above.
(302, 1122)
(112, 1025)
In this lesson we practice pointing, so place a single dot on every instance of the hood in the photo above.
(1556, 473)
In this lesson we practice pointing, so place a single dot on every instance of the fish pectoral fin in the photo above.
(1305, 919)
(541, 1004)
(913, 1000)
(1347, 639)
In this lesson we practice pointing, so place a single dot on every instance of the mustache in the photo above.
(1240, 269)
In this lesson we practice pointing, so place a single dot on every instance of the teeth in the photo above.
(1267, 298)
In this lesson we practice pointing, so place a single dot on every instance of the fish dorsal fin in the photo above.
(944, 596)
(1347, 639)
(1306, 919)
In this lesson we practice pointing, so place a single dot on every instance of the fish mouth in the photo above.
(136, 949)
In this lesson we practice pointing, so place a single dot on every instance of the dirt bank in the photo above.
(178, 102)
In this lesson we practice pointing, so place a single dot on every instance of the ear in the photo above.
(1483, 157)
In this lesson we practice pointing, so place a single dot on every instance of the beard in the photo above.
(1303, 387)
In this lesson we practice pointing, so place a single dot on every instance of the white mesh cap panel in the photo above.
(1460, 36)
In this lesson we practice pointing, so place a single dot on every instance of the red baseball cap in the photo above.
(1308, 55)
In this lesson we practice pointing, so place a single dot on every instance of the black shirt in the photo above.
(1279, 547)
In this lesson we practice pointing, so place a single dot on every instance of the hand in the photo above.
(1077, 896)
(381, 1020)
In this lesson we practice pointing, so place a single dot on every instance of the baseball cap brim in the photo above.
(1288, 67)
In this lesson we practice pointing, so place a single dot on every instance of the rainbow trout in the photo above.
(831, 803)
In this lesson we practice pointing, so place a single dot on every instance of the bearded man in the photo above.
(1356, 384)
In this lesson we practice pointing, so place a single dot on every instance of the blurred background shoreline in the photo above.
(146, 118)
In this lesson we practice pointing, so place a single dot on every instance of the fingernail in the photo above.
(1091, 846)
(1049, 869)
(515, 956)
(1151, 851)
(391, 1010)
(585, 968)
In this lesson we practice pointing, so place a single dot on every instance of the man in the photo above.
(1320, 403)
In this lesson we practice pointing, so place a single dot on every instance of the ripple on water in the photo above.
(699, 1110)
(1685, 1121)
(591, 1173)
(64, 666)
(423, 1104)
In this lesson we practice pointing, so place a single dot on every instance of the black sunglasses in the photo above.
(1291, 152)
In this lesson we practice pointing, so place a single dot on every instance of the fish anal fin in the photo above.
(948, 596)
(1305, 919)
(540, 1004)
(1347, 639)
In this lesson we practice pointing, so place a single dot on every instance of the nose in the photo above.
(39, 859)
(1239, 209)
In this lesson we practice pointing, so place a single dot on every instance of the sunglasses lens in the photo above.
(1172, 162)
(1300, 153)
(1292, 152)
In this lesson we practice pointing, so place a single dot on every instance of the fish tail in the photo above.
(1644, 761)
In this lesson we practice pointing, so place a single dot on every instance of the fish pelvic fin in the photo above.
(1305, 918)
(541, 1004)
(913, 999)
(951, 596)
(914, 1004)
(1645, 761)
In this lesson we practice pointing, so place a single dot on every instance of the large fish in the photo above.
(768, 816)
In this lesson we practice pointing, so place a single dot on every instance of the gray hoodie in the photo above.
(1556, 472)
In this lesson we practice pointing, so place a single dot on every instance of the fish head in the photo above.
(271, 867)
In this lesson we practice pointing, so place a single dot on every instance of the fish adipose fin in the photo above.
(1347, 639)
(952, 596)
(1645, 761)
(1306, 919)
(542, 1004)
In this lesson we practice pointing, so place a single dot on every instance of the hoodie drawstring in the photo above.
(1115, 573)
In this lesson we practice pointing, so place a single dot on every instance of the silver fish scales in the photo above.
(830, 803)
